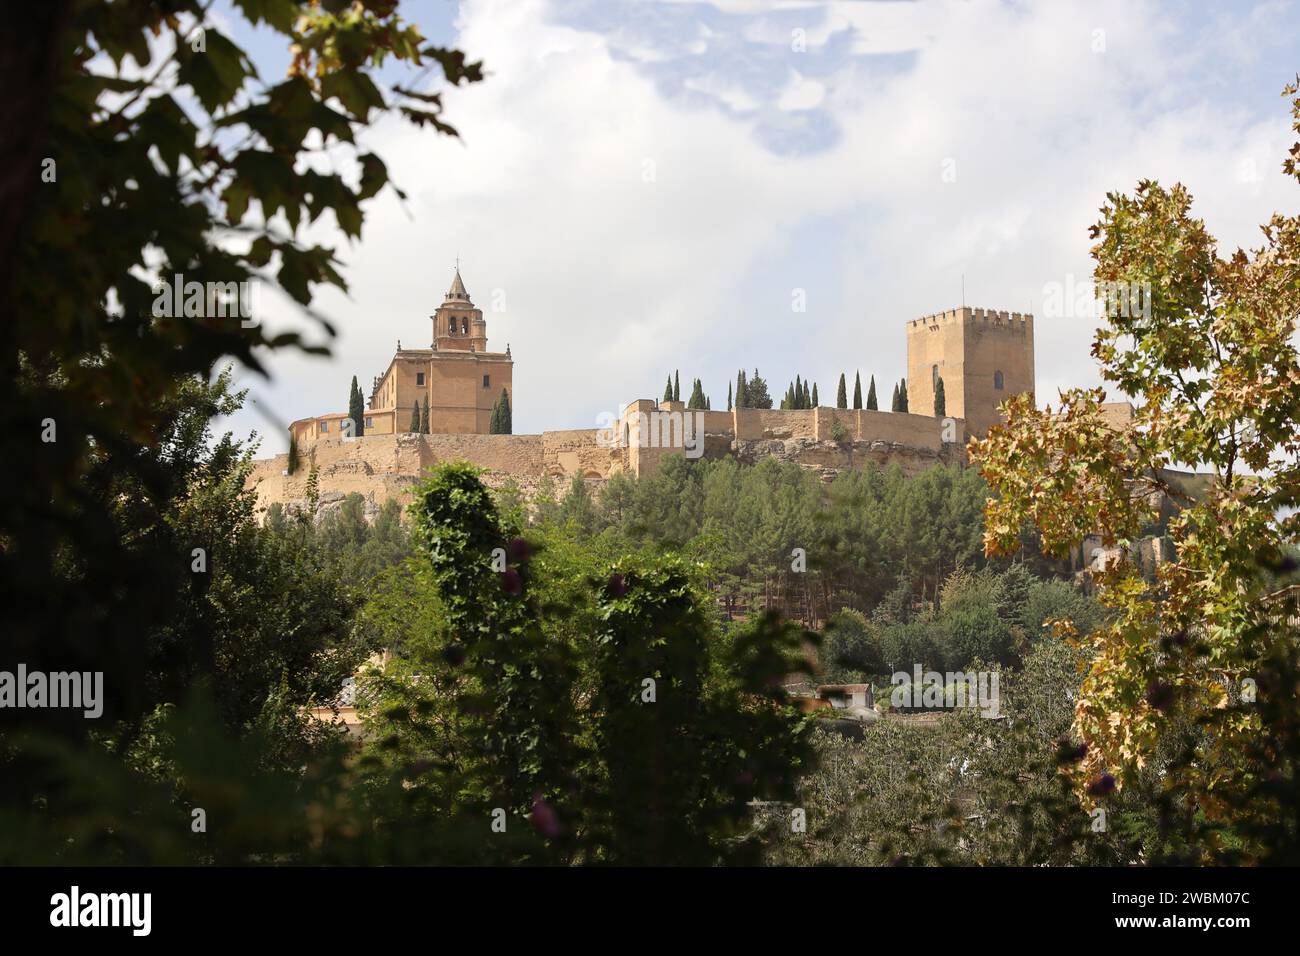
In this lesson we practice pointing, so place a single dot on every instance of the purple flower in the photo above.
(517, 550)
(511, 582)
(544, 817)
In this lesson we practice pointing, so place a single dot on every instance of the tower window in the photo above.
(324, 426)
(464, 326)
(419, 378)
(487, 381)
(997, 380)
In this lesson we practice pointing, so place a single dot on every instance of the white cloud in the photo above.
(612, 281)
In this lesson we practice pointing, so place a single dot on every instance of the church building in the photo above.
(456, 375)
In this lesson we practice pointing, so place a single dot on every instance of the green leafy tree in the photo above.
(1203, 345)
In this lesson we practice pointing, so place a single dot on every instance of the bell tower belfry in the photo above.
(457, 324)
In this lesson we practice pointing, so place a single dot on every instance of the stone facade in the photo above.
(982, 356)
(457, 375)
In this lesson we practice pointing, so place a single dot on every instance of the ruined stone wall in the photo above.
(578, 452)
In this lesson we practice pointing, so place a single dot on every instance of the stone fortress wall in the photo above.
(982, 356)
(380, 467)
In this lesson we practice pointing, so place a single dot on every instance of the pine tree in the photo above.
(677, 386)
(871, 395)
(756, 395)
(842, 396)
(857, 389)
(728, 396)
(356, 409)
(415, 417)
(902, 395)
(814, 396)
(940, 402)
(894, 406)
(424, 417)
(668, 390)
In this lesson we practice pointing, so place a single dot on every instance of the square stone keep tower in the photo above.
(984, 357)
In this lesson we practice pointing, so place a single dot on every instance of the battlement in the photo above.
(1016, 322)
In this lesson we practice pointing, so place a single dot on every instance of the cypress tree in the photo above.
(293, 454)
(902, 395)
(728, 396)
(356, 409)
(857, 389)
(494, 424)
(842, 396)
(871, 395)
(814, 396)
(742, 400)
(677, 386)
(893, 401)
(940, 401)
(424, 418)
(507, 423)
(668, 390)
(415, 417)
(798, 393)
(697, 396)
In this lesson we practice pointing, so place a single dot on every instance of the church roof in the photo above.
(457, 291)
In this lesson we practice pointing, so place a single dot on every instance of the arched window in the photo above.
(451, 326)
(464, 326)
(997, 380)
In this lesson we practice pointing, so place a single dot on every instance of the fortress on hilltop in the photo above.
(436, 404)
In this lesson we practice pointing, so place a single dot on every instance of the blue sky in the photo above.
(643, 186)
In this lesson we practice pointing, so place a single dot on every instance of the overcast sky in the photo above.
(643, 186)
